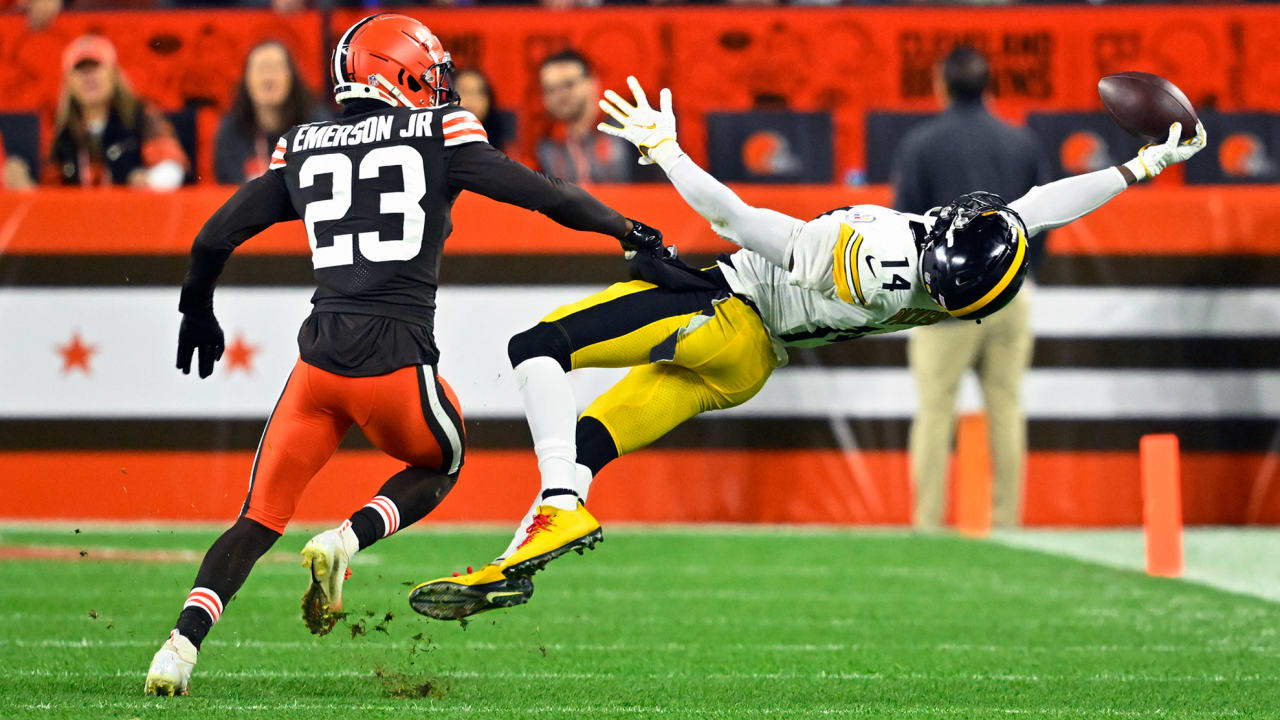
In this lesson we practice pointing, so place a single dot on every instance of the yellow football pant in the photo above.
(689, 354)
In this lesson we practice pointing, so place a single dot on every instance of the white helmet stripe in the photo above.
(340, 50)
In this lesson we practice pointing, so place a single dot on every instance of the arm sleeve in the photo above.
(482, 168)
(257, 205)
(763, 231)
(1050, 206)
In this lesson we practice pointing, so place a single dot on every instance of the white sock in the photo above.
(553, 419)
(582, 485)
(350, 542)
(520, 531)
(582, 481)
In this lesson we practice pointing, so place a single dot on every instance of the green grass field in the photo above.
(668, 623)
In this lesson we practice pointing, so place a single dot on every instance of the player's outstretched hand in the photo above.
(1152, 159)
(199, 333)
(652, 131)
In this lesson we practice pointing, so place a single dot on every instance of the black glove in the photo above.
(642, 237)
(199, 332)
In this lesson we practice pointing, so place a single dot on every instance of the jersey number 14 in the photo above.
(404, 202)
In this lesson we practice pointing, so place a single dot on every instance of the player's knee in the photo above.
(541, 340)
(434, 479)
(596, 446)
(261, 518)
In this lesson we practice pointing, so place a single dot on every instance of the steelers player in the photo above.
(701, 340)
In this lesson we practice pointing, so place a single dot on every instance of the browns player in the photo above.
(374, 190)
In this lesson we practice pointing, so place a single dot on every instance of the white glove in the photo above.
(652, 131)
(1154, 158)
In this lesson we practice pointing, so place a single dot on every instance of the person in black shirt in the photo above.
(374, 190)
(270, 98)
(963, 150)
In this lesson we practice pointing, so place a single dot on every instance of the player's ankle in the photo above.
(562, 498)
(350, 540)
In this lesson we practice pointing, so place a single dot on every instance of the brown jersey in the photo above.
(374, 189)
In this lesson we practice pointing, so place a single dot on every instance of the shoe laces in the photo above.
(469, 571)
(541, 522)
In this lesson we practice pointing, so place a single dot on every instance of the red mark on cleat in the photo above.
(347, 575)
(540, 522)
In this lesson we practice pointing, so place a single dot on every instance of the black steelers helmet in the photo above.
(975, 258)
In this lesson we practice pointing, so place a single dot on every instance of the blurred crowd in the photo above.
(104, 133)
(44, 7)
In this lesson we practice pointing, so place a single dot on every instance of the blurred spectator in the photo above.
(271, 99)
(476, 96)
(41, 13)
(16, 174)
(964, 150)
(104, 134)
(574, 150)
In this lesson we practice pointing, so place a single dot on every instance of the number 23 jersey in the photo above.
(374, 190)
(854, 272)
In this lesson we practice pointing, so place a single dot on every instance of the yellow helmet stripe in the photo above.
(994, 292)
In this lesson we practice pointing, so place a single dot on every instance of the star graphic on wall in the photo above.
(239, 355)
(76, 354)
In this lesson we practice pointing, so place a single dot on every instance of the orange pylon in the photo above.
(1162, 504)
(973, 476)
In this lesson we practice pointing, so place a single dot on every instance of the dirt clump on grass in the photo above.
(400, 685)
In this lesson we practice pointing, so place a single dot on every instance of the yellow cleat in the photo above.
(453, 598)
(552, 533)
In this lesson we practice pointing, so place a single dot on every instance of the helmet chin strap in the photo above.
(377, 89)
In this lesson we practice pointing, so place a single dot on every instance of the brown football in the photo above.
(1146, 105)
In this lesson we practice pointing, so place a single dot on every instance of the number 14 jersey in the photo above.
(854, 272)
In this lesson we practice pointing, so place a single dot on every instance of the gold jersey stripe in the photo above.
(994, 292)
(852, 259)
(846, 265)
(837, 263)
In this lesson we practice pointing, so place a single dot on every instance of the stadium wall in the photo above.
(844, 60)
(1160, 312)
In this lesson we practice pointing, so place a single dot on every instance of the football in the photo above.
(1146, 105)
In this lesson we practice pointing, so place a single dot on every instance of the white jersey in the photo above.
(854, 272)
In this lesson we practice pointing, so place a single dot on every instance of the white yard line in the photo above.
(782, 676)
(525, 644)
(1239, 560)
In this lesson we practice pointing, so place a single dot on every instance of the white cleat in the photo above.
(170, 671)
(327, 557)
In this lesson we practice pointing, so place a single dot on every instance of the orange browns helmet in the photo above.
(395, 59)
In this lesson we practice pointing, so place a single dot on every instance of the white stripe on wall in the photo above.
(135, 331)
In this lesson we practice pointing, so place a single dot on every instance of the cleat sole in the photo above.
(316, 614)
(450, 601)
(527, 568)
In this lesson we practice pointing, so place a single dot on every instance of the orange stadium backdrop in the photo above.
(845, 60)
(64, 454)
